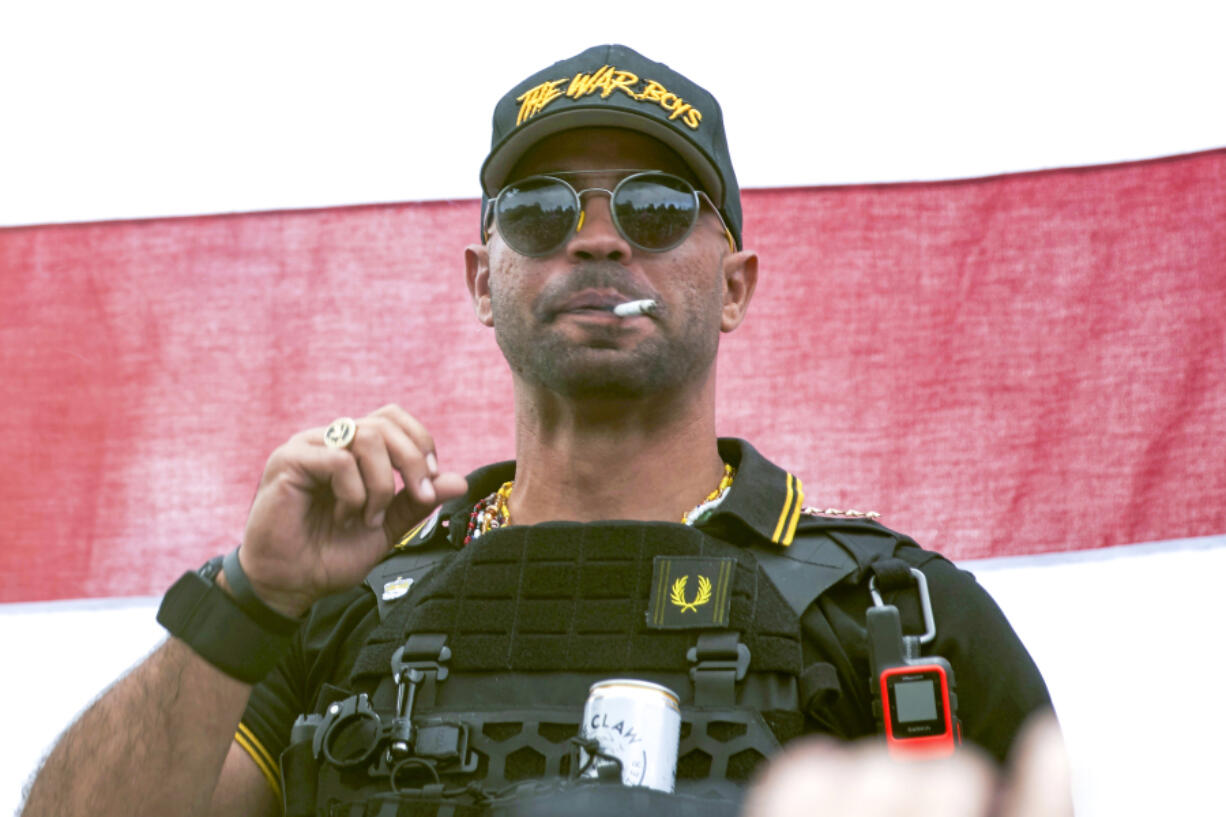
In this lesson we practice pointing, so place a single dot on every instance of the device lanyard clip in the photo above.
(930, 624)
(913, 696)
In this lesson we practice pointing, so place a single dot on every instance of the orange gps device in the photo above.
(914, 698)
(917, 711)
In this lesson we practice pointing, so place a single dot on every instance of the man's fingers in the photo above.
(319, 467)
(796, 782)
(449, 485)
(370, 450)
(820, 777)
(410, 463)
(387, 442)
(1039, 782)
(406, 510)
(415, 431)
(383, 449)
(348, 487)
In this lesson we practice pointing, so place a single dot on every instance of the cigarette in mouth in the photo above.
(632, 308)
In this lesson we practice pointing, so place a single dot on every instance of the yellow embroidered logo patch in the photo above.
(606, 81)
(690, 592)
(677, 596)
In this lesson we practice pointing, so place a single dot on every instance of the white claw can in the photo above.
(637, 722)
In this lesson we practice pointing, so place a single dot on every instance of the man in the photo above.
(370, 646)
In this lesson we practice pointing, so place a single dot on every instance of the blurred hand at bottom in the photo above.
(822, 777)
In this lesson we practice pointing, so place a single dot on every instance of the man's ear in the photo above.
(740, 280)
(477, 277)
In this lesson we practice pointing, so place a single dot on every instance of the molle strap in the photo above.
(897, 586)
(299, 774)
(892, 574)
(720, 660)
(819, 687)
(422, 661)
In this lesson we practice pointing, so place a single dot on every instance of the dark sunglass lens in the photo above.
(535, 215)
(655, 211)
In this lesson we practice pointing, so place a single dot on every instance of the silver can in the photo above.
(639, 723)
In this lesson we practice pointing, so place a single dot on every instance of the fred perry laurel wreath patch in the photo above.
(690, 592)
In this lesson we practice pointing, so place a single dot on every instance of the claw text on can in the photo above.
(639, 723)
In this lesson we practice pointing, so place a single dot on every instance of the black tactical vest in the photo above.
(468, 695)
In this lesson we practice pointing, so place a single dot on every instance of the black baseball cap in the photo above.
(617, 87)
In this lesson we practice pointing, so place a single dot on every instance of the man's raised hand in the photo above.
(323, 516)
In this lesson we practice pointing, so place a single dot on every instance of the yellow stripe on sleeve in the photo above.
(800, 501)
(784, 514)
(408, 537)
(251, 744)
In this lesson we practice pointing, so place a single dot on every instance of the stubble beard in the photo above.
(674, 356)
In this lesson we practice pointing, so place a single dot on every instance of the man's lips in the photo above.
(590, 301)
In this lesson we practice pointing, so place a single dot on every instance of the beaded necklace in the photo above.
(494, 511)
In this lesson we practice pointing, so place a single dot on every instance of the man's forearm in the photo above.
(153, 744)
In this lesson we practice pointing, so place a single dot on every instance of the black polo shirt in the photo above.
(998, 684)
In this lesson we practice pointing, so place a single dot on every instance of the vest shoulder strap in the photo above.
(413, 558)
(824, 552)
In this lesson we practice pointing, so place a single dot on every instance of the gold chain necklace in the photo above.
(495, 512)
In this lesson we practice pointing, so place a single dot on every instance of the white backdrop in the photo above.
(123, 110)
(127, 109)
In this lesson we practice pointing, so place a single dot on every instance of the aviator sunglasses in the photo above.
(653, 210)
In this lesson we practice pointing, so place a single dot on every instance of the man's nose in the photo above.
(596, 238)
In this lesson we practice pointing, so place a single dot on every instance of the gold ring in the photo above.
(340, 432)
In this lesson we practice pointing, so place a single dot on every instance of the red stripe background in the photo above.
(1000, 366)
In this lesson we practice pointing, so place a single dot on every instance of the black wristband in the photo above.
(211, 622)
(253, 605)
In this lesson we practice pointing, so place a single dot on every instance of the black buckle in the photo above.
(444, 741)
(416, 668)
(720, 660)
(426, 653)
(420, 663)
(349, 733)
(434, 747)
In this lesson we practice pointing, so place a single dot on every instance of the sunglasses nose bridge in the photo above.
(584, 204)
(597, 232)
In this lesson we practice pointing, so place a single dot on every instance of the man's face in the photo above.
(547, 313)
